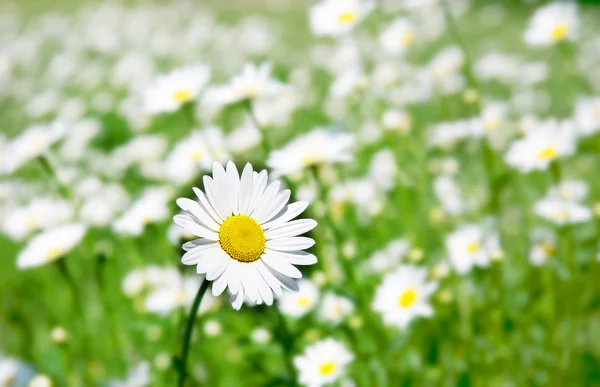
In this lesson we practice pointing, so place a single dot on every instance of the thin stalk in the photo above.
(187, 337)
(46, 166)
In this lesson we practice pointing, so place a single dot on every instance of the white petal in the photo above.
(194, 256)
(202, 242)
(216, 200)
(287, 282)
(263, 288)
(233, 277)
(295, 257)
(245, 192)
(233, 188)
(288, 213)
(218, 268)
(291, 229)
(272, 207)
(197, 211)
(266, 198)
(207, 206)
(258, 188)
(219, 285)
(248, 284)
(208, 260)
(281, 266)
(186, 222)
(222, 187)
(269, 278)
(290, 244)
(237, 299)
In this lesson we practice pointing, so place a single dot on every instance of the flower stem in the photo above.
(287, 344)
(181, 362)
(46, 166)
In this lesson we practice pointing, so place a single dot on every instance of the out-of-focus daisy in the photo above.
(404, 295)
(553, 23)
(301, 302)
(40, 213)
(176, 88)
(389, 258)
(150, 207)
(8, 371)
(587, 116)
(449, 194)
(248, 241)
(398, 36)
(253, 82)
(322, 363)
(542, 146)
(337, 17)
(138, 376)
(396, 120)
(471, 245)
(569, 190)
(261, 335)
(335, 308)
(50, 245)
(180, 293)
(543, 246)
(562, 212)
(33, 142)
(40, 381)
(315, 148)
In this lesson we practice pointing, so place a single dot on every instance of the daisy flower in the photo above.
(335, 308)
(397, 37)
(315, 148)
(471, 245)
(403, 295)
(540, 147)
(337, 17)
(553, 23)
(253, 82)
(322, 363)
(50, 245)
(151, 207)
(170, 91)
(248, 241)
(543, 246)
(562, 212)
(301, 302)
(587, 116)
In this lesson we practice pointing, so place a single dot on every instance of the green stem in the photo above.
(46, 166)
(187, 337)
(287, 343)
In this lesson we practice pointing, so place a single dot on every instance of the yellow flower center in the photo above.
(180, 296)
(54, 254)
(242, 238)
(197, 155)
(408, 298)
(560, 32)
(597, 113)
(547, 247)
(303, 301)
(327, 368)
(472, 247)
(347, 17)
(407, 39)
(182, 96)
(548, 153)
(492, 124)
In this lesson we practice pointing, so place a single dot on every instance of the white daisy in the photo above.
(543, 246)
(470, 246)
(299, 303)
(570, 190)
(176, 88)
(322, 363)
(337, 17)
(248, 241)
(553, 23)
(315, 148)
(587, 116)
(40, 213)
(50, 245)
(150, 207)
(335, 308)
(562, 212)
(397, 37)
(542, 146)
(403, 295)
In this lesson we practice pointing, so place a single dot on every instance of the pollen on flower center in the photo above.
(547, 247)
(242, 238)
(197, 155)
(408, 298)
(313, 159)
(327, 368)
(303, 301)
(560, 32)
(472, 247)
(347, 17)
(182, 96)
(407, 39)
(549, 153)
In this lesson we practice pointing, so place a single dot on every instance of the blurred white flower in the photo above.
(404, 295)
(50, 245)
(150, 207)
(470, 246)
(562, 212)
(543, 245)
(337, 17)
(40, 213)
(553, 23)
(176, 88)
(587, 116)
(315, 148)
(449, 194)
(261, 335)
(138, 376)
(398, 36)
(335, 308)
(299, 303)
(322, 363)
